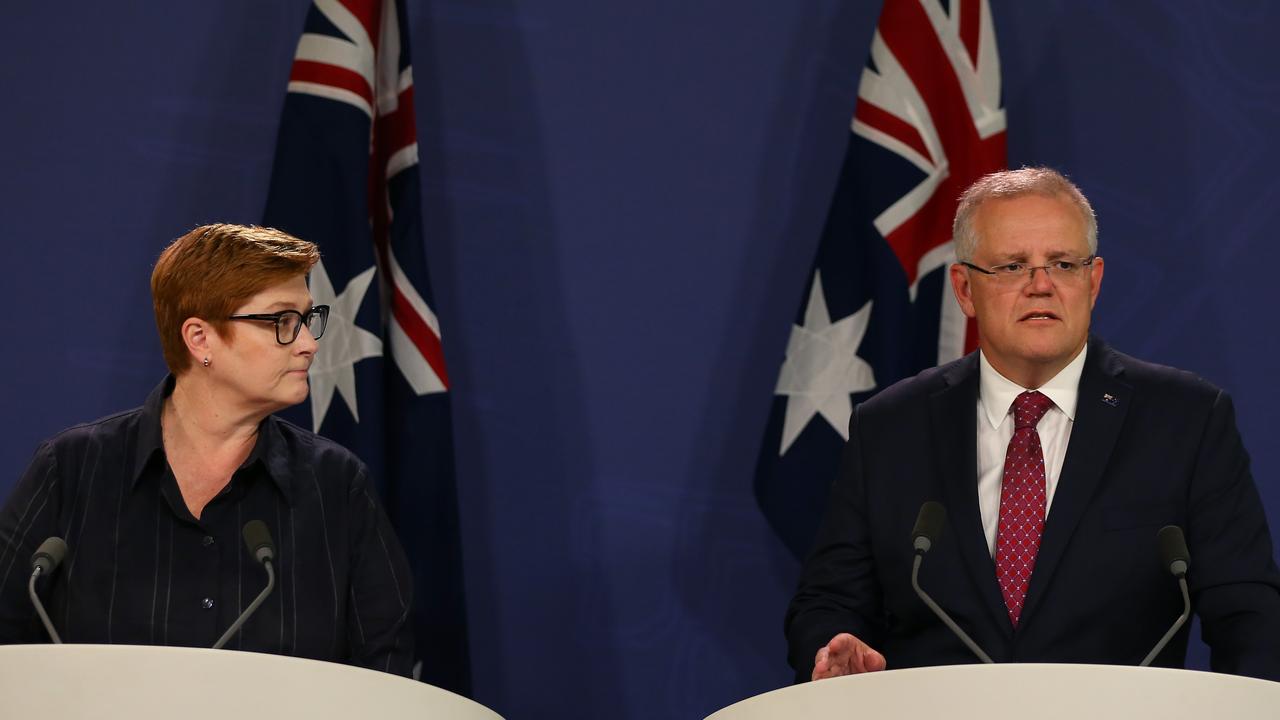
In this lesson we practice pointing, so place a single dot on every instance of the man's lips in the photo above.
(1039, 315)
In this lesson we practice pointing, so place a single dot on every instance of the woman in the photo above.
(152, 501)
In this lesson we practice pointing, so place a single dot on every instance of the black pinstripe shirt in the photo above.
(143, 570)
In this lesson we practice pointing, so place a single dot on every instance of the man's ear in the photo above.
(962, 289)
(1095, 276)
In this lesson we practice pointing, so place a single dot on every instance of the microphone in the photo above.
(46, 559)
(257, 539)
(929, 524)
(1175, 557)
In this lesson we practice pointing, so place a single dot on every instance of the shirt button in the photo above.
(207, 603)
(207, 541)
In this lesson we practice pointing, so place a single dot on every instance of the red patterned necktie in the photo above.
(1022, 503)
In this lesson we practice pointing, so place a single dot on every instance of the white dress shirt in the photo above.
(996, 394)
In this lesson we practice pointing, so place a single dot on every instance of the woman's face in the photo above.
(252, 366)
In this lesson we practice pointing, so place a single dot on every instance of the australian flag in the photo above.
(346, 178)
(877, 307)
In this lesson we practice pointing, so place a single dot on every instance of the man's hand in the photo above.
(845, 655)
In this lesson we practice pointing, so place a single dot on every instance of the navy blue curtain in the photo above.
(621, 203)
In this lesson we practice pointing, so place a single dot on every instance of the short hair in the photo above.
(214, 269)
(1007, 184)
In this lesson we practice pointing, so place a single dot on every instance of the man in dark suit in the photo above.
(1058, 459)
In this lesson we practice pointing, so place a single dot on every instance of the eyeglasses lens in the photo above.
(316, 320)
(287, 327)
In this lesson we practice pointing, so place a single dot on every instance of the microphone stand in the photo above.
(937, 610)
(253, 606)
(35, 600)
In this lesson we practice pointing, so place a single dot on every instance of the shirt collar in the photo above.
(997, 392)
(270, 449)
(273, 450)
(150, 441)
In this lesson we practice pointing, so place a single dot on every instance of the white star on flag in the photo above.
(822, 368)
(344, 343)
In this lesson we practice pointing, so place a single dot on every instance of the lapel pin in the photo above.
(1110, 399)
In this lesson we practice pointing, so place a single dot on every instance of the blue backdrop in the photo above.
(621, 202)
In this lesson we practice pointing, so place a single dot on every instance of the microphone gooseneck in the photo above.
(929, 523)
(1175, 557)
(257, 540)
(46, 559)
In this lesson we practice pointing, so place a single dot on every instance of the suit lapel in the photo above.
(953, 412)
(1100, 411)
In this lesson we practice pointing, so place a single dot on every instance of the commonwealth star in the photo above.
(344, 343)
(822, 368)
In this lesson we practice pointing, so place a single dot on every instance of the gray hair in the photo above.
(1005, 184)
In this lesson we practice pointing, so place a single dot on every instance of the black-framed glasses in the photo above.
(289, 322)
(1017, 272)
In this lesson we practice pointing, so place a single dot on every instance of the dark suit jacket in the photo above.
(1150, 446)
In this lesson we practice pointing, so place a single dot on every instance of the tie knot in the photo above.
(1028, 408)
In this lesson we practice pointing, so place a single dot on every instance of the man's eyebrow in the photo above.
(1023, 257)
(1011, 257)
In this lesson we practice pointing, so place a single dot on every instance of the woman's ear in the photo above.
(198, 336)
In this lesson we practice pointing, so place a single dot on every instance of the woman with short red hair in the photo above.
(151, 502)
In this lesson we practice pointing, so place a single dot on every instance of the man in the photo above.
(1058, 459)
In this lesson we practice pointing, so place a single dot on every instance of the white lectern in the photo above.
(1021, 691)
(61, 682)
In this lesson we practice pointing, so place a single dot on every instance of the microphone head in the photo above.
(257, 538)
(49, 555)
(929, 524)
(1173, 550)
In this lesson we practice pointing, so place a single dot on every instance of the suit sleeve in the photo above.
(378, 624)
(27, 519)
(838, 590)
(1233, 575)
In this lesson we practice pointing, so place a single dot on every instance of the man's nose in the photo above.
(1040, 282)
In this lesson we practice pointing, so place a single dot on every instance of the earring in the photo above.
(206, 361)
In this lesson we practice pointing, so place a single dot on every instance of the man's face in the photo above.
(1032, 328)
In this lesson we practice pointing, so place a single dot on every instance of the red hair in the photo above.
(213, 270)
